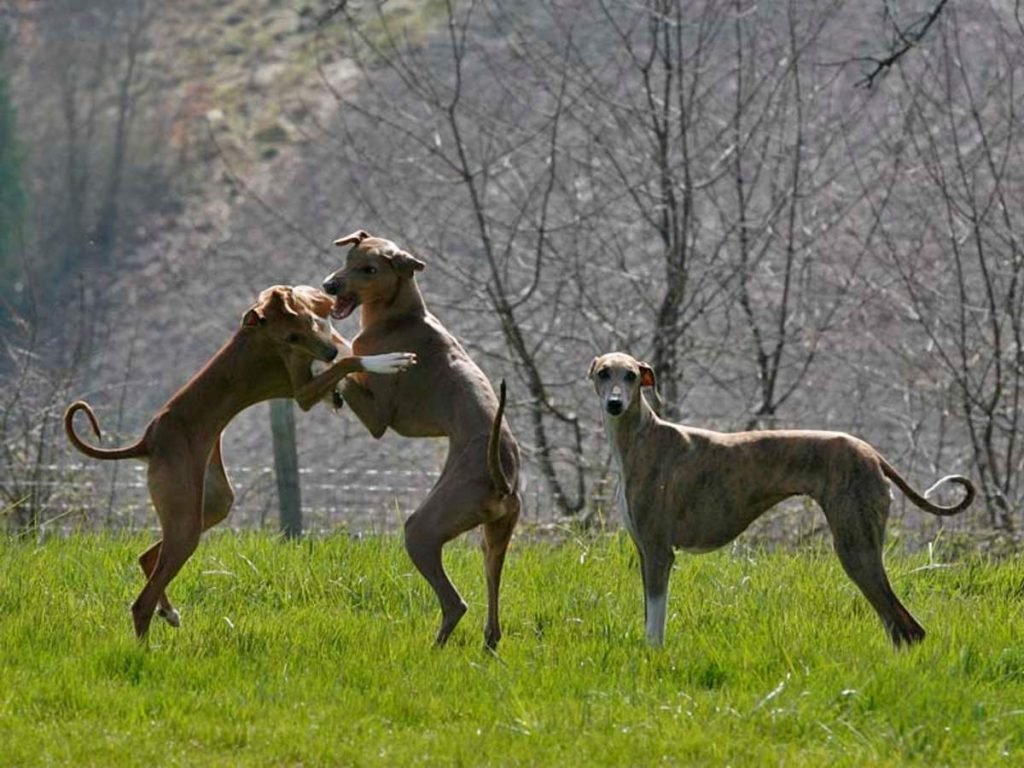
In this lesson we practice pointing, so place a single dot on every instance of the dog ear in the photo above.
(593, 365)
(317, 300)
(281, 301)
(647, 380)
(647, 376)
(354, 239)
(253, 317)
(405, 263)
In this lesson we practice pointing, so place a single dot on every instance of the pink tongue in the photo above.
(343, 306)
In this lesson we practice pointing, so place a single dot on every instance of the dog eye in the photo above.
(630, 376)
(293, 338)
(369, 270)
(603, 374)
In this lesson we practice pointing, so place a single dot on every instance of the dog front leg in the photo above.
(373, 407)
(657, 566)
(309, 393)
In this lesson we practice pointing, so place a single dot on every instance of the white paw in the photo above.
(392, 362)
(172, 616)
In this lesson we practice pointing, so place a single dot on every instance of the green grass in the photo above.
(319, 653)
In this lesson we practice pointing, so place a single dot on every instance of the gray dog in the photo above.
(445, 394)
(698, 490)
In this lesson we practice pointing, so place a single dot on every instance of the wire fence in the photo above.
(357, 500)
(104, 497)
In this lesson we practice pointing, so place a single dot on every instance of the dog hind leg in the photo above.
(218, 496)
(176, 549)
(165, 610)
(177, 494)
(455, 505)
(497, 534)
(858, 533)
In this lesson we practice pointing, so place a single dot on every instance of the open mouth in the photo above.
(344, 304)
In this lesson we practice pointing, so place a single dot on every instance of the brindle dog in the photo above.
(698, 490)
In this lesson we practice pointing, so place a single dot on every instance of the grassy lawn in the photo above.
(319, 653)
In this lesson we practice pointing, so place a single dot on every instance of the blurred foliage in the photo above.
(12, 198)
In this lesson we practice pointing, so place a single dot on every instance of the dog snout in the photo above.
(331, 285)
(614, 406)
(325, 352)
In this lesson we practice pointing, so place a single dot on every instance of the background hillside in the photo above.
(790, 232)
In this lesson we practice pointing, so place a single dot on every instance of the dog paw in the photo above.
(392, 362)
(172, 616)
(334, 402)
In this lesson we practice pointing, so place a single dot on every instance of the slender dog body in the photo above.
(270, 356)
(697, 490)
(446, 394)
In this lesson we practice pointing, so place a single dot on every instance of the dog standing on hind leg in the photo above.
(445, 395)
(270, 356)
(698, 490)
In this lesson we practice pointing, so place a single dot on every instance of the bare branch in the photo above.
(906, 40)
(329, 13)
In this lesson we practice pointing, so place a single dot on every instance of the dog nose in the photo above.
(332, 354)
(614, 407)
(331, 285)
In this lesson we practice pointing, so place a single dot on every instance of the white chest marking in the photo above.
(620, 492)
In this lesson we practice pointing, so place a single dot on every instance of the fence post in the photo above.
(286, 467)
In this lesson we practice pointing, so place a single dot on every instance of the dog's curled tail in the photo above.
(134, 451)
(498, 477)
(920, 500)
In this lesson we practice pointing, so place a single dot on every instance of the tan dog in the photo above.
(270, 356)
(446, 394)
(698, 490)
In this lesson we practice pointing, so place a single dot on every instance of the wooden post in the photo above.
(286, 467)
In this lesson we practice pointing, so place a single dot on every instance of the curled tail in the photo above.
(134, 451)
(498, 477)
(922, 502)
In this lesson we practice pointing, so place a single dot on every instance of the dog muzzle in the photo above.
(344, 305)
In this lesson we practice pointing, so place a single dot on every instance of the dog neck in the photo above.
(233, 368)
(407, 300)
(629, 429)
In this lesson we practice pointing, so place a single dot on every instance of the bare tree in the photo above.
(133, 43)
(651, 177)
(794, 265)
(92, 177)
(693, 182)
(960, 260)
(904, 37)
(647, 123)
(467, 126)
(34, 396)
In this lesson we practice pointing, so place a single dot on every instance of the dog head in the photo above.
(295, 320)
(618, 378)
(374, 271)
